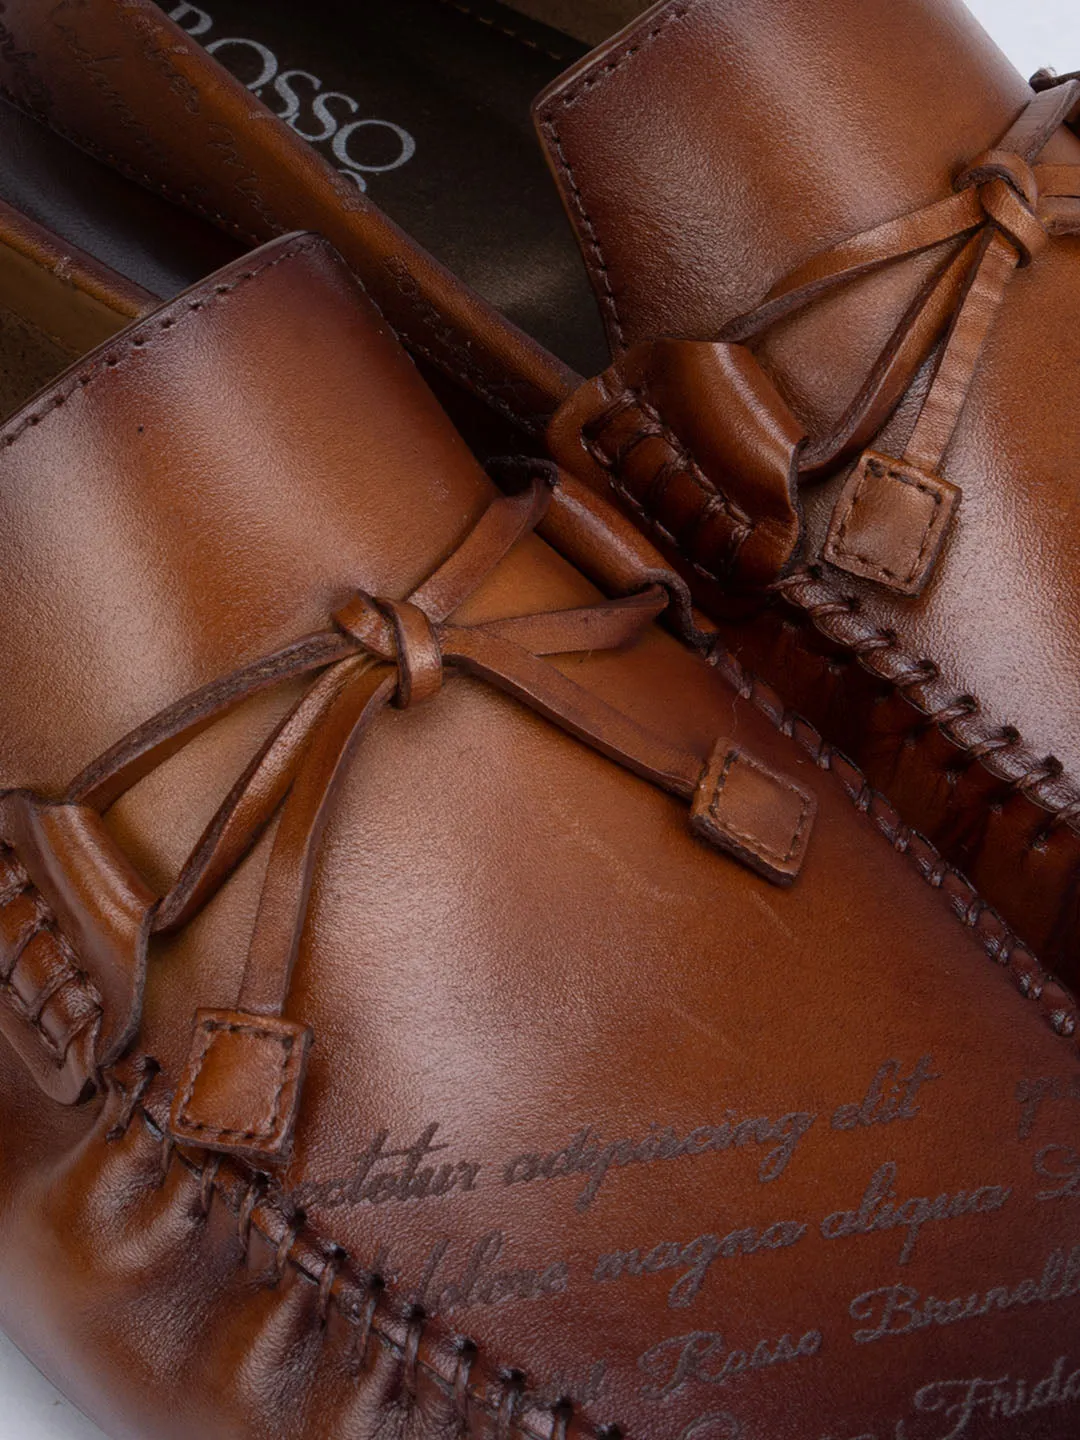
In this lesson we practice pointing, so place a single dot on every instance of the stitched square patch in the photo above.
(240, 1089)
(890, 523)
(761, 818)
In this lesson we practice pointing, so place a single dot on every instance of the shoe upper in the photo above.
(874, 203)
(601, 1131)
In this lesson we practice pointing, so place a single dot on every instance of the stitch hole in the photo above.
(881, 640)
(1005, 739)
(148, 1069)
(562, 1412)
(923, 672)
(610, 1432)
(365, 1318)
(964, 707)
(330, 1272)
(416, 1318)
(513, 1388)
(467, 1351)
(252, 1195)
(289, 1233)
(206, 1185)
(168, 1150)
(1043, 772)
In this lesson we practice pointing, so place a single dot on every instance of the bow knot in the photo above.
(891, 517)
(402, 633)
(380, 652)
(1008, 191)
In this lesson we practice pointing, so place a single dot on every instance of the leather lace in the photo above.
(380, 652)
(1004, 209)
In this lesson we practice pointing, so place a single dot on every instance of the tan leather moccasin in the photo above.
(833, 247)
(437, 1002)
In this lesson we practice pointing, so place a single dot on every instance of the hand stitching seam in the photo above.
(166, 322)
(767, 852)
(684, 464)
(67, 973)
(362, 1318)
(873, 647)
(965, 905)
(599, 265)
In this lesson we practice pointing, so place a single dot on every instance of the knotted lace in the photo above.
(1004, 209)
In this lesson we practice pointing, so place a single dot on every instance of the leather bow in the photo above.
(240, 1090)
(1002, 213)
(698, 441)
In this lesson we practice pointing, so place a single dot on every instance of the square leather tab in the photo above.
(890, 522)
(761, 818)
(240, 1089)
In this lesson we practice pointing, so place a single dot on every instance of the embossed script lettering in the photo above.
(901, 1310)
(695, 1258)
(1061, 1164)
(960, 1403)
(587, 1155)
(892, 1096)
(879, 1210)
(702, 1356)
(377, 1179)
(482, 1280)
(1032, 1095)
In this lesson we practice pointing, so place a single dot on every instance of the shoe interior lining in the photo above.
(133, 231)
(425, 104)
(47, 319)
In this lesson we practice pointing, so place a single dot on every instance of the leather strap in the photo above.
(721, 491)
(244, 1077)
(1002, 215)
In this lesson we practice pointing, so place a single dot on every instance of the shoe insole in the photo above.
(425, 105)
(134, 231)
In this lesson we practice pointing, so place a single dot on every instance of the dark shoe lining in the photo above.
(447, 83)
(133, 231)
(457, 78)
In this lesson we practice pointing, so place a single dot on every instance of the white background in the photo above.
(1033, 33)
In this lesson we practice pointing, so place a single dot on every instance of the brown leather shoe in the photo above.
(827, 185)
(435, 1003)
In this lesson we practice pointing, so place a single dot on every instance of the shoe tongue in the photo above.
(207, 487)
(716, 144)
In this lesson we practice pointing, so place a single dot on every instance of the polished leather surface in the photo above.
(775, 130)
(959, 702)
(582, 1089)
